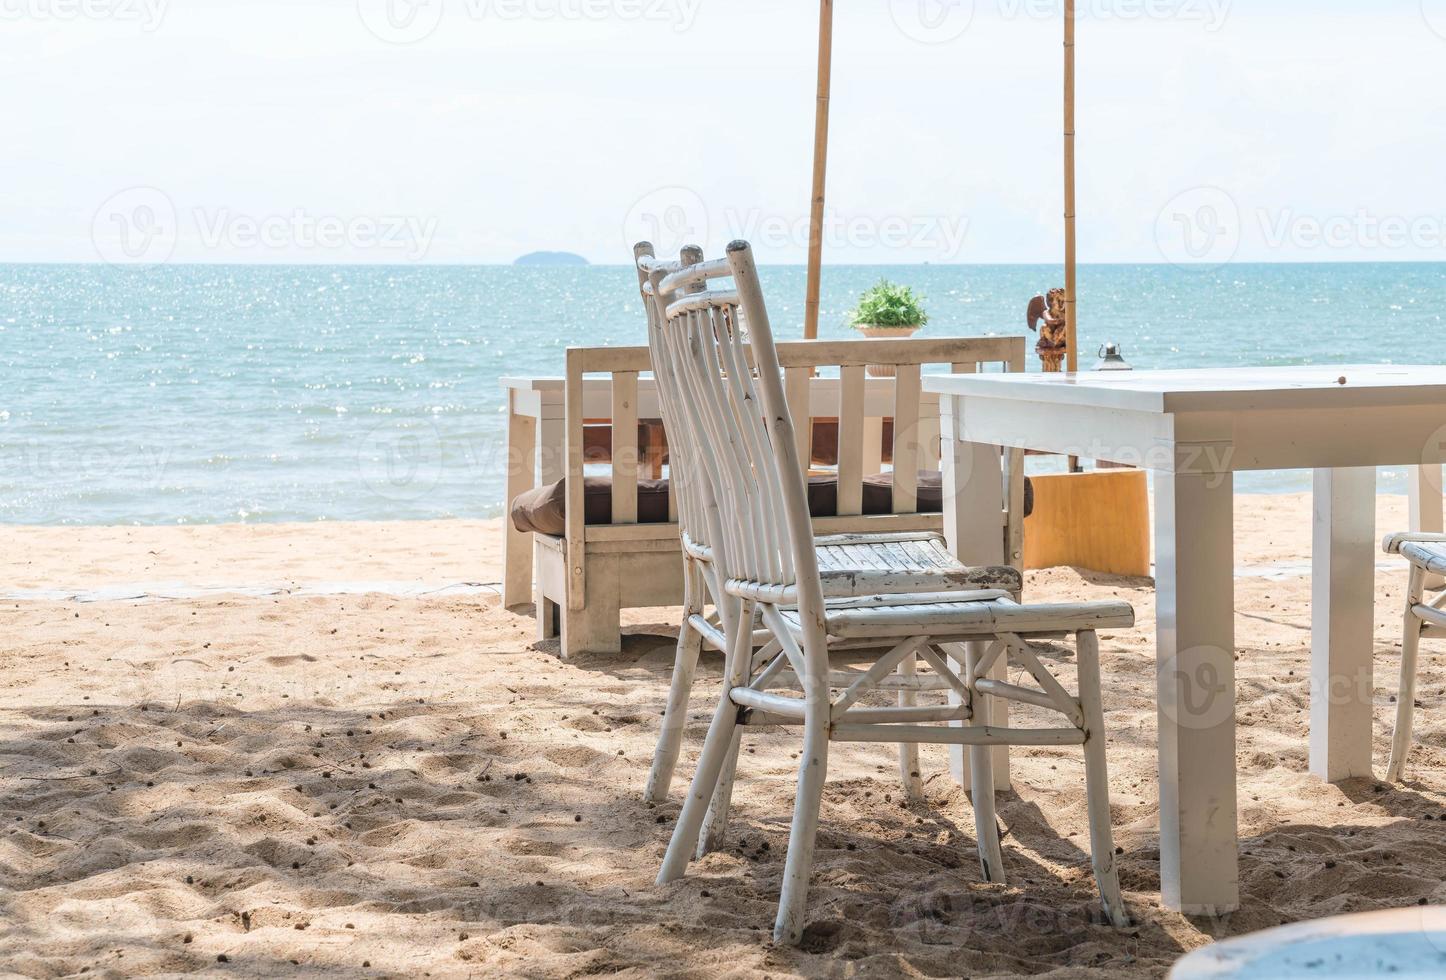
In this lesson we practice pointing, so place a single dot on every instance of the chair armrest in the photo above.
(1393, 542)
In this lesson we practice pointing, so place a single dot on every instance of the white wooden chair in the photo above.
(851, 564)
(748, 490)
(1427, 555)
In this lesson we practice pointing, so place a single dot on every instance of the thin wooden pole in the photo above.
(820, 167)
(1071, 278)
(1071, 281)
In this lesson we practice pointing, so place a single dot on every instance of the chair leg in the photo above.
(1406, 691)
(1097, 780)
(981, 783)
(675, 715)
(597, 627)
(695, 807)
(715, 824)
(710, 763)
(909, 773)
(812, 773)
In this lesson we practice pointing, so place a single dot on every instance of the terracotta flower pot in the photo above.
(896, 333)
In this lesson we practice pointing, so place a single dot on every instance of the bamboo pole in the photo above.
(1071, 282)
(820, 167)
(1071, 278)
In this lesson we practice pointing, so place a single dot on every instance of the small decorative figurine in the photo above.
(1053, 338)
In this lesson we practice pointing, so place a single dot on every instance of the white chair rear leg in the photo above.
(715, 824)
(1097, 780)
(695, 807)
(812, 773)
(675, 714)
(981, 783)
(1406, 691)
(909, 773)
(711, 762)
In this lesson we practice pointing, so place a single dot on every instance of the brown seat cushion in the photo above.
(544, 509)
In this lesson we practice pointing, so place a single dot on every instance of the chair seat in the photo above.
(963, 614)
(857, 564)
(1428, 555)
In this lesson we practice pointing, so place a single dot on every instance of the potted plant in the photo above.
(887, 310)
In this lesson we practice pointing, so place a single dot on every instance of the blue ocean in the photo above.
(208, 393)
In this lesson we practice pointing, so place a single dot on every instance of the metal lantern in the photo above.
(1112, 360)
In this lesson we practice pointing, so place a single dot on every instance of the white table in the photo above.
(1406, 944)
(1194, 430)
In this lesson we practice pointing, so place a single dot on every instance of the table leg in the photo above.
(1425, 497)
(973, 478)
(521, 477)
(1195, 656)
(1342, 652)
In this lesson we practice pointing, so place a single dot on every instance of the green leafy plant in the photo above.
(888, 305)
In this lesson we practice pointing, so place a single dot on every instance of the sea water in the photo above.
(208, 393)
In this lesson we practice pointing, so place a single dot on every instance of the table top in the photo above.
(1213, 389)
(1409, 942)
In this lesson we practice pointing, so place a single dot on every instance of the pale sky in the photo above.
(268, 131)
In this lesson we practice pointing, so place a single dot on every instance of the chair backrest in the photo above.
(727, 388)
(691, 493)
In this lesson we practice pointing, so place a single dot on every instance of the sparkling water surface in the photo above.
(202, 394)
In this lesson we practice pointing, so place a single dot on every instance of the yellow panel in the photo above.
(1099, 521)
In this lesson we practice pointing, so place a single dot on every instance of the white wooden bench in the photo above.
(581, 579)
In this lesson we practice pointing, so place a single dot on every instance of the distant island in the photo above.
(551, 258)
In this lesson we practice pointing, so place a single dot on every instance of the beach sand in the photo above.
(298, 778)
